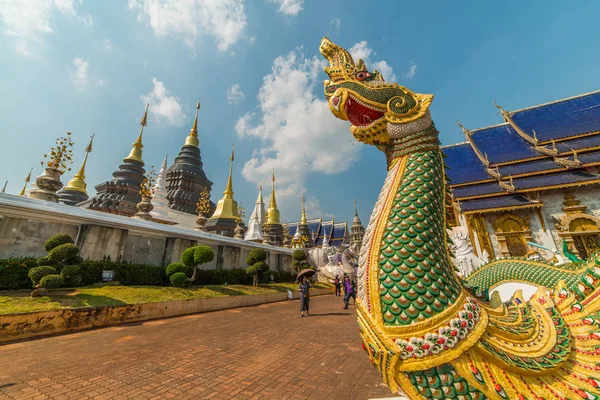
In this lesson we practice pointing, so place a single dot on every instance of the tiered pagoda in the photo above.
(272, 228)
(75, 192)
(223, 221)
(185, 178)
(357, 230)
(508, 180)
(121, 194)
(255, 223)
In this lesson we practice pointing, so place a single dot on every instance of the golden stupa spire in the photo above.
(228, 193)
(78, 181)
(192, 139)
(227, 207)
(272, 211)
(136, 152)
(303, 220)
(26, 182)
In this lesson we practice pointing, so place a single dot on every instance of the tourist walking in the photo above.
(304, 288)
(338, 286)
(349, 291)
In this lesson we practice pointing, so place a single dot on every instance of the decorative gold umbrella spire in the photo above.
(273, 212)
(78, 181)
(228, 193)
(303, 220)
(192, 139)
(136, 152)
(26, 182)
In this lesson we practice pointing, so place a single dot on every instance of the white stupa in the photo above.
(254, 232)
(159, 201)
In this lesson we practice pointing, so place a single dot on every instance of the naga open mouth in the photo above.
(358, 113)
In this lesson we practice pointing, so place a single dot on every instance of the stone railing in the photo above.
(25, 224)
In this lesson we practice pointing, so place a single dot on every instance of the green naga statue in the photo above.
(427, 334)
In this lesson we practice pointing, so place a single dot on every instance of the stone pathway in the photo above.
(264, 352)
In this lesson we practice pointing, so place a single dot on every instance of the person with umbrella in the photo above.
(304, 287)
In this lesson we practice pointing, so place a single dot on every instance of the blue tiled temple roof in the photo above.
(335, 232)
(531, 182)
(495, 203)
(561, 119)
(546, 164)
(339, 231)
(501, 143)
(292, 229)
(463, 164)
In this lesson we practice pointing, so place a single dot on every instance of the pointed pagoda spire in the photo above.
(78, 181)
(27, 179)
(4, 187)
(161, 205)
(259, 200)
(303, 220)
(273, 212)
(192, 139)
(228, 193)
(136, 152)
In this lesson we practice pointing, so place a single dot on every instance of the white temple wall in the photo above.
(25, 224)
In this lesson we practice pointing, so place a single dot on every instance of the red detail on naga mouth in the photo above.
(360, 115)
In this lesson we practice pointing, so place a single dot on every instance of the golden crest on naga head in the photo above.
(362, 97)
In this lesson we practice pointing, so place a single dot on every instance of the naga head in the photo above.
(377, 110)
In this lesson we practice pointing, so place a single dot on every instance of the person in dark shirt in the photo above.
(349, 291)
(304, 288)
(338, 286)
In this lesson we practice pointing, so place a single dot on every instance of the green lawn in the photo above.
(19, 302)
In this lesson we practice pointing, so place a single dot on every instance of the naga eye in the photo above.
(362, 75)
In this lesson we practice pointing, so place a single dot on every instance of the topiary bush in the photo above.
(71, 275)
(192, 257)
(52, 281)
(36, 274)
(299, 260)
(179, 279)
(63, 253)
(256, 264)
(57, 240)
(45, 260)
(177, 267)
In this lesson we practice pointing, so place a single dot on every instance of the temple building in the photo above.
(357, 230)
(185, 178)
(256, 220)
(272, 228)
(75, 191)
(533, 178)
(223, 221)
(121, 194)
(335, 234)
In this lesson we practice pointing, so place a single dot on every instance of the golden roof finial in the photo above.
(228, 193)
(192, 139)
(575, 156)
(136, 152)
(273, 212)
(554, 145)
(484, 160)
(303, 220)
(501, 110)
(27, 179)
(78, 181)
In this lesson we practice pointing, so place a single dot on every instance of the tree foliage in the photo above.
(192, 257)
(256, 264)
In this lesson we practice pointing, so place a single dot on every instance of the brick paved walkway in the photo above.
(264, 352)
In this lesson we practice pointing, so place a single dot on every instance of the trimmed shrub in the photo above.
(57, 240)
(299, 255)
(256, 265)
(52, 281)
(63, 253)
(14, 273)
(179, 279)
(71, 275)
(36, 274)
(44, 260)
(187, 257)
(177, 267)
(203, 255)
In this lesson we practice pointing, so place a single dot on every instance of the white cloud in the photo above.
(289, 7)
(26, 22)
(361, 50)
(297, 131)
(336, 24)
(235, 94)
(224, 20)
(80, 76)
(108, 45)
(251, 40)
(86, 20)
(412, 71)
(164, 107)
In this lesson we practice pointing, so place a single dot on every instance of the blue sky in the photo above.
(88, 67)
